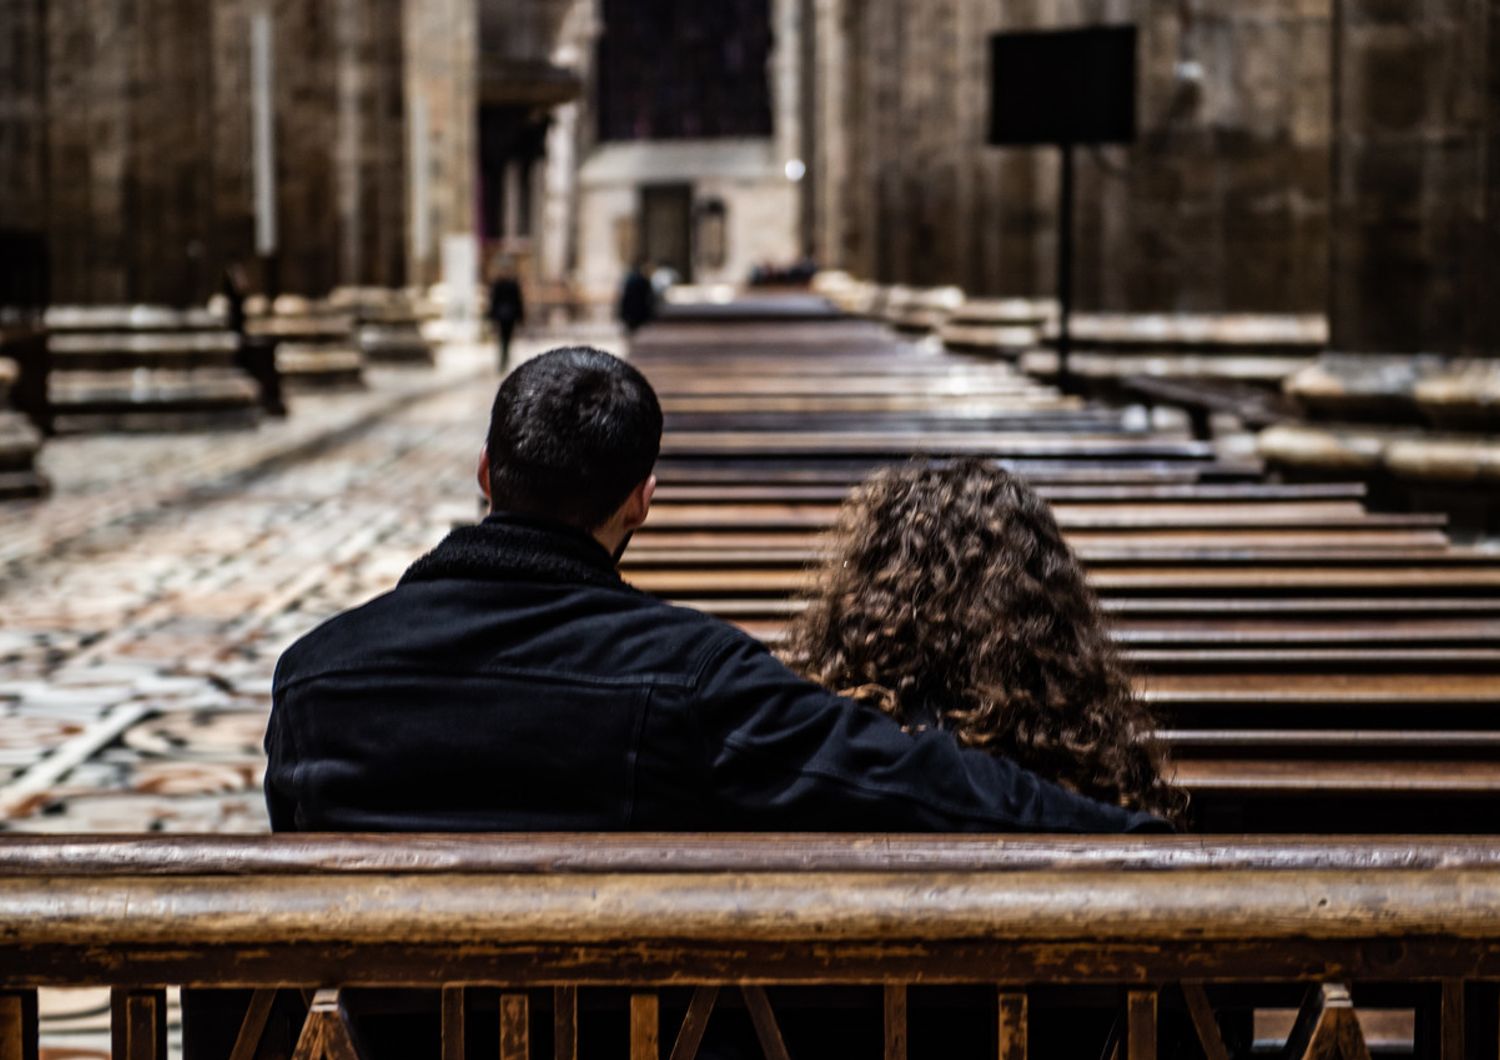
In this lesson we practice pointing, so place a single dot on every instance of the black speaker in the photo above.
(1063, 87)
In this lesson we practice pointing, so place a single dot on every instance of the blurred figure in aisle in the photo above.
(637, 297)
(235, 289)
(507, 309)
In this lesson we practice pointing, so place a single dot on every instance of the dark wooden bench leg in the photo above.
(515, 1027)
(695, 1023)
(138, 1024)
(253, 1027)
(455, 1010)
(18, 1025)
(1210, 1037)
(1014, 1025)
(1140, 1025)
(766, 1028)
(565, 1023)
(30, 396)
(1200, 419)
(645, 1027)
(895, 1021)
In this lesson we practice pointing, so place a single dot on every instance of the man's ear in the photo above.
(638, 504)
(483, 472)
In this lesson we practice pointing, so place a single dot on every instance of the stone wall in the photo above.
(125, 136)
(23, 100)
(1221, 205)
(1416, 247)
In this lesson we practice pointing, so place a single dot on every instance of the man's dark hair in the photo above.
(572, 432)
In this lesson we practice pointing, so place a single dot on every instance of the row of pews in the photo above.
(1418, 428)
(23, 352)
(151, 368)
(1317, 665)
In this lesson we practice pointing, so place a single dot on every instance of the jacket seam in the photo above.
(629, 682)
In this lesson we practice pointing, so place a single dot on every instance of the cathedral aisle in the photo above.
(142, 610)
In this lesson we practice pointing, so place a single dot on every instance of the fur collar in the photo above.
(509, 547)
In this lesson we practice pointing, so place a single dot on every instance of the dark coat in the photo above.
(637, 300)
(507, 306)
(513, 682)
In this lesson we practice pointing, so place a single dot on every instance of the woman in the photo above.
(951, 600)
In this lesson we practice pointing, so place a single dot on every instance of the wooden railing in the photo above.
(1187, 935)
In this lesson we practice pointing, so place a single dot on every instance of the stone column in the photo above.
(442, 56)
(1416, 177)
(829, 166)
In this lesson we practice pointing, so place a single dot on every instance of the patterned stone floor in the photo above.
(142, 609)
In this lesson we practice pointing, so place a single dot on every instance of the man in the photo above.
(513, 681)
(637, 298)
(507, 309)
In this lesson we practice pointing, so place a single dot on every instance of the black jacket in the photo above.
(507, 304)
(513, 682)
(637, 300)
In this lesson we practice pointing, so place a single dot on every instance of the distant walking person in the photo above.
(637, 298)
(507, 309)
(233, 287)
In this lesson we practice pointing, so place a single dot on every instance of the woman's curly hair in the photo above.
(951, 598)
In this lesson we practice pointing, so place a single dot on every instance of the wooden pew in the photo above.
(147, 368)
(387, 328)
(1162, 946)
(1315, 662)
(20, 438)
(315, 345)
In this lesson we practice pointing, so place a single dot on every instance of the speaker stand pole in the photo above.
(1065, 271)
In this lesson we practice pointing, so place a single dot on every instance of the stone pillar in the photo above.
(787, 101)
(442, 56)
(828, 83)
(1417, 177)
